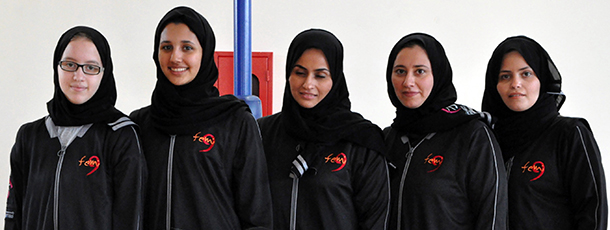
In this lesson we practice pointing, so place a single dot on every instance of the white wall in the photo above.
(575, 33)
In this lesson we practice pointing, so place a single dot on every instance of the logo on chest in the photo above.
(208, 140)
(339, 159)
(93, 162)
(434, 161)
(537, 168)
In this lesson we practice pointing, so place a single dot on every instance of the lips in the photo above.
(513, 95)
(306, 95)
(177, 69)
(78, 88)
(410, 93)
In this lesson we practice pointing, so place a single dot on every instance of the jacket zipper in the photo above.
(293, 203)
(409, 155)
(61, 153)
(170, 165)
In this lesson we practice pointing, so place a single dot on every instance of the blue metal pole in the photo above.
(242, 58)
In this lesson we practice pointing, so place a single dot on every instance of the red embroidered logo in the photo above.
(207, 139)
(93, 162)
(537, 167)
(338, 159)
(436, 161)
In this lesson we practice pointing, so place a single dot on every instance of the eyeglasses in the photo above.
(71, 66)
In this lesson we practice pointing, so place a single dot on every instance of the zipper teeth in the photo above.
(61, 153)
(404, 177)
(293, 203)
(401, 188)
(170, 164)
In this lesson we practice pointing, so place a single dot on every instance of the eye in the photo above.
(187, 48)
(321, 75)
(70, 64)
(92, 68)
(420, 71)
(400, 72)
(503, 77)
(527, 74)
(166, 47)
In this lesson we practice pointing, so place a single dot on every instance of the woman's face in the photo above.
(310, 79)
(78, 86)
(518, 85)
(179, 53)
(412, 76)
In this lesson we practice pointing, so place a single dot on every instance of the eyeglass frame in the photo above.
(81, 66)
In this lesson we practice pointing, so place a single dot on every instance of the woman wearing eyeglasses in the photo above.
(204, 152)
(80, 167)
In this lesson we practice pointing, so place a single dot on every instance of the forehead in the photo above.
(178, 32)
(414, 55)
(81, 49)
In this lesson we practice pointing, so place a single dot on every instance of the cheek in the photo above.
(325, 86)
(64, 81)
(294, 85)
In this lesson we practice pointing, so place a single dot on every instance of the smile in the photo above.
(178, 69)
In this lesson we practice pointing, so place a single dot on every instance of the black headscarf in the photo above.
(175, 109)
(438, 111)
(515, 130)
(331, 119)
(100, 107)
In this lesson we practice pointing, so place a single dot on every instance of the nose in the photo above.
(176, 56)
(309, 82)
(79, 75)
(409, 80)
(515, 83)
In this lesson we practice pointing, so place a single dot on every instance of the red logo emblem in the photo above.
(537, 167)
(207, 139)
(93, 162)
(338, 159)
(435, 161)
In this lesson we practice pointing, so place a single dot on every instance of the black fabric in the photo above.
(517, 130)
(435, 113)
(331, 119)
(175, 109)
(100, 107)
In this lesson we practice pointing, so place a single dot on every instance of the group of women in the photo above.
(197, 160)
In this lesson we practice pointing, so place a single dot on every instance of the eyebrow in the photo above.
(183, 41)
(416, 66)
(508, 71)
(320, 69)
(86, 62)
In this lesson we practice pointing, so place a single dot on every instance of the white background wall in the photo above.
(575, 34)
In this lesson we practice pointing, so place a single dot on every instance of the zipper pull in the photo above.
(61, 151)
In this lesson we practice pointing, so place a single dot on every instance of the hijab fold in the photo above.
(331, 119)
(100, 107)
(180, 109)
(517, 130)
(438, 112)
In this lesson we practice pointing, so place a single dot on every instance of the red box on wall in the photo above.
(262, 76)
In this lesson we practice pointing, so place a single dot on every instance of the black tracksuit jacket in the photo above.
(345, 188)
(451, 179)
(215, 178)
(95, 183)
(558, 182)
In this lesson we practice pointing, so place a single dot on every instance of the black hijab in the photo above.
(331, 119)
(178, 109)
(438, 111)
(516, 130)
(100, 107)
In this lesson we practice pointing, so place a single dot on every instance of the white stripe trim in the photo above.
(493, 223)
(582, 141)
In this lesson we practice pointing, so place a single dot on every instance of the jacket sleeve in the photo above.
(585, 180)
(252, 194)
(17, 181)
(372, 191)
(487, 181)
(129, 177)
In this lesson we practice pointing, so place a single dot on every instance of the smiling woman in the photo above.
(179, 53)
